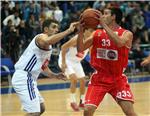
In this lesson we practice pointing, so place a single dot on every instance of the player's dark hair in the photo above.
(48, 22)
(118, 13)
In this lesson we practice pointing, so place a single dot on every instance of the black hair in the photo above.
(48, 22)
(118, 13)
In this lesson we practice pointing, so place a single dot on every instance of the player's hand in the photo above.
(81, 25)
(60, 75)
(73, 26)
(102, 20)
(63, 67)
(80, 54)
(99, 16)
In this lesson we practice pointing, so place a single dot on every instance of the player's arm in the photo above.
(48, 72)
(44, 41)
(124, 40)
(83, 44)
(51, 74)
(64, 47)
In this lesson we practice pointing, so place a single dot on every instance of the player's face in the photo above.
(53, 29)
(107, 16)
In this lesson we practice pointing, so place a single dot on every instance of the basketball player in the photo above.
(70, 63)
(109, 56)
(146, 61)
(34, 60)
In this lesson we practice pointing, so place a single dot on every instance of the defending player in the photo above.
(34, 60)
(70, 63)
(109, 56)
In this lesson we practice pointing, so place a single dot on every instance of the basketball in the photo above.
(90, 18)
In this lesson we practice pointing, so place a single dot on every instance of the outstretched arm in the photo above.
(57, 37)
(44, 41)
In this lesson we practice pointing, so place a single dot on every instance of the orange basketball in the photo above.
(90, 18)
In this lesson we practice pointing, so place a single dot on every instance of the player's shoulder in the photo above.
(42, 36)
(126, 30)
(98, 32)
(73, 39)
(128, 33)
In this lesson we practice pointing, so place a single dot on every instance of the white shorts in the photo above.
(26, 88)
(73, 68)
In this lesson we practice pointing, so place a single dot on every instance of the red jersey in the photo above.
(106, 57)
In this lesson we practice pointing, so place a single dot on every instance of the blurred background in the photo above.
(22, 20)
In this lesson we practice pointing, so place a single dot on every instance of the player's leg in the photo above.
(42, 107)
(82, 86)
(73, 84)
(25, 88)
(89, 110)
(81, 77)
(69, 72)
(127, 107)
(82, 92)
(123, 95)
(41, 100)
(32, 114)
(94, 96)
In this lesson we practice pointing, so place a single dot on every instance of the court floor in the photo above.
(57, 103)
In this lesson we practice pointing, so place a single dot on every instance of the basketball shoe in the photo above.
(74, 106)
(81, 104)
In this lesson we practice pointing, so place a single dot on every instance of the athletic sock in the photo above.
(82, 97)
(73, 97)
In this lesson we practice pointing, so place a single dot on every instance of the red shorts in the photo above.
(119, 89)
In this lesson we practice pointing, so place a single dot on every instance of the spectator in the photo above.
(41, 10)
(146, 14)
(5, 41)
(5, 11)
(33, 23)
(13, 43)
(138, 53)
(6, 29)
(14, 17)
(58, 14)
(138, 21)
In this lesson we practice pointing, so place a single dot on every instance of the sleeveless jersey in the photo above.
(106, 57)
(72, 54)
(34, 59)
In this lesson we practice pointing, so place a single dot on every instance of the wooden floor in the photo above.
(57, 103)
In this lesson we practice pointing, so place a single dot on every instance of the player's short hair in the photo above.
(118, 13)
(48, 22)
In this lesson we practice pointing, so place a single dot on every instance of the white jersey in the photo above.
(73, 62)
(72, 54)
(33, 59)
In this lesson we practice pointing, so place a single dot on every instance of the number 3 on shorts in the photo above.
(123, 94)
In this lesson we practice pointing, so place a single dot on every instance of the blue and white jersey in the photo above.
(33, 59)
